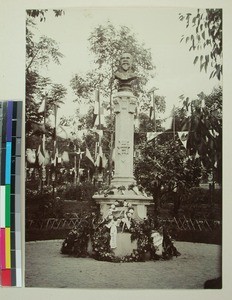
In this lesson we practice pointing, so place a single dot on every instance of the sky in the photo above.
(158, 28)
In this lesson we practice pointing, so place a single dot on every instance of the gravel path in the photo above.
(46, 267)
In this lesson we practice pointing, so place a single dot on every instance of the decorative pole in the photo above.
(174, 123)
(152, 91)
(75, 166)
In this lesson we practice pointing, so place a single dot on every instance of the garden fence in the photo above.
(182, 223)
(186, 224)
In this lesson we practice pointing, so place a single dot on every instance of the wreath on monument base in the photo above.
(92, 235)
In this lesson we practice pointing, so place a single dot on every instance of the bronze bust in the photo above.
(124, 75)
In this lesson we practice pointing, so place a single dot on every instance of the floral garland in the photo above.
(120, 213)
(95, 229)
(112, 189)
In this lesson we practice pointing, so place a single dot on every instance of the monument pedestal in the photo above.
(123, 186)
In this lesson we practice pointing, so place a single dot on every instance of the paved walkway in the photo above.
(46, 267)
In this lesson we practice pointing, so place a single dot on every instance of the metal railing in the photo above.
(181, 223)
(186, 224)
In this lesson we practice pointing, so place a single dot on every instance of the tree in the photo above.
(39, 54)
(207, 38)
(164, 168)
(41, 13)
(107, 43)
(205, 130)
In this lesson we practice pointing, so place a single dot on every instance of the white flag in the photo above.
(183, 136)
(42, 107)
(152, 135)
(167, 123)
(89, 156)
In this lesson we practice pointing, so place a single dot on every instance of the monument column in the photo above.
(125, 104)
(123, 186)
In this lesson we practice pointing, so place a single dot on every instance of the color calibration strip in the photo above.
(10, 200)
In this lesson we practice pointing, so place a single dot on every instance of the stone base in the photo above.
(124, 245)
(125, 181)
(139, 203)
(127, 199)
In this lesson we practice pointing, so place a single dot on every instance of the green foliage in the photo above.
(207, 25)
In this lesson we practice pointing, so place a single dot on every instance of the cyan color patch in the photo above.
(8, 163)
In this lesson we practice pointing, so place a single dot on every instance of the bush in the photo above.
(81, 192)
(72, 192)
(87, 191)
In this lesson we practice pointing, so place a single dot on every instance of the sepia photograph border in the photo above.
(12, 59)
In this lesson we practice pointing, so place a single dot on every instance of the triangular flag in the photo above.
(137, 122)
(41, 156)
(183, 136)
(104, 161)
(65, 156)
(59, 159)
(89, 156)
(81, 171)
(98, 162)
(100, 119)
(46, 158)
(54, 157)
(152, 135)
(98, 113)
(42, 107)
(197, 155)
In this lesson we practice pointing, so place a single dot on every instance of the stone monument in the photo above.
(123, 186)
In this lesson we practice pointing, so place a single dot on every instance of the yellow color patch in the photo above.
(8, 249)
